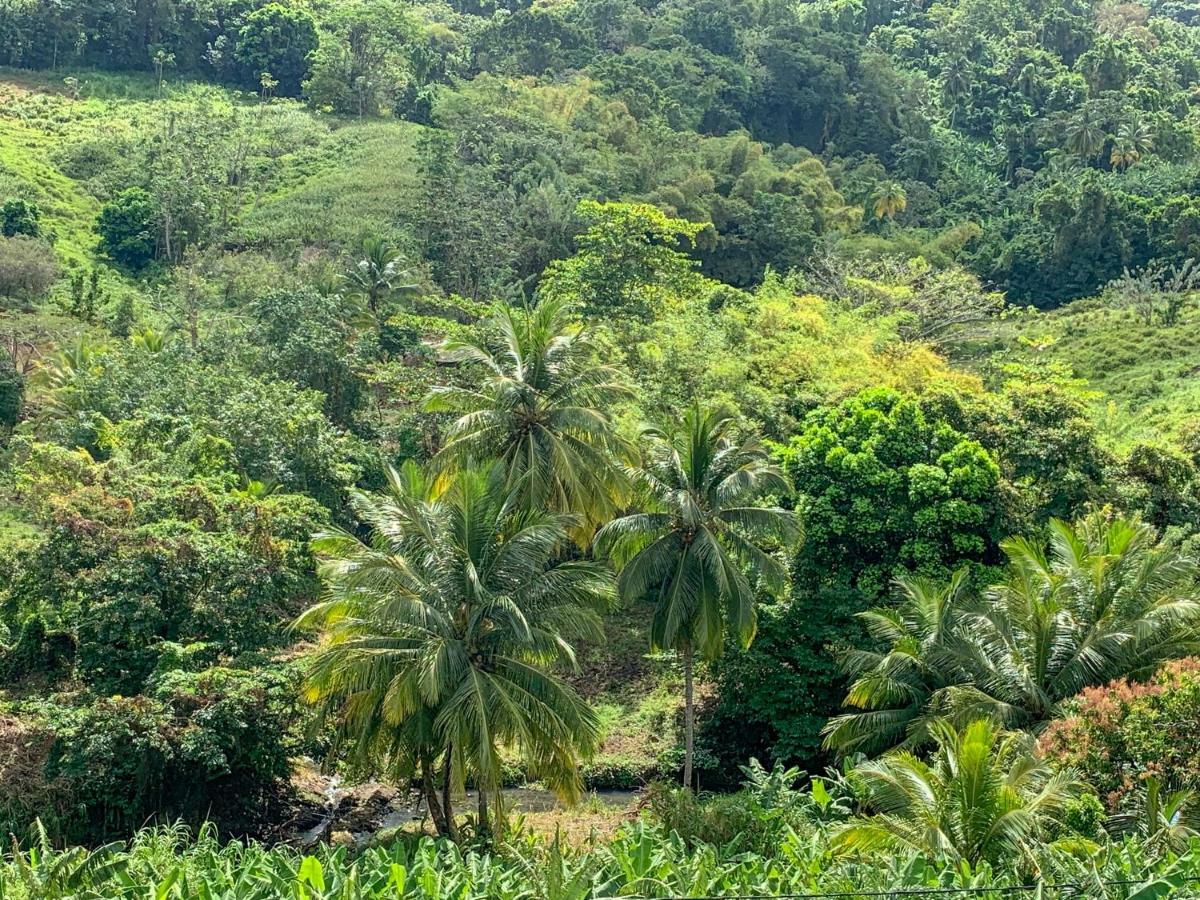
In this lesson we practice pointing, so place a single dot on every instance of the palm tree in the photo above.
(1165, 817)
(542, 410)
(1108, 601)
(697, 538)
(890, 200)
(1130, 144)
(375, 280)
(984, 796)
(439, 631)
(1085, 137)
(902, 687)
(954, 85)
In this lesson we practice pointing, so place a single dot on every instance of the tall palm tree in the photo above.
(439, 633)
(890, 200)
(984, 796)
(542, 410)
(698, 536)
(1107, 601)
(955, 84)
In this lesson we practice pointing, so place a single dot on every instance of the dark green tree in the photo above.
(278, 40)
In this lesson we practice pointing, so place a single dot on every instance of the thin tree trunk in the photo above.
(447, 800)
(485, 825)
(429, 789)
(689, 715)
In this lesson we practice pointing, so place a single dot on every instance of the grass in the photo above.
(358, 180)
(1144, 376)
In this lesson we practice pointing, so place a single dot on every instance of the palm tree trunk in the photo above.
(485, 825)
(447, 800)
(689, 715)
(429, 789)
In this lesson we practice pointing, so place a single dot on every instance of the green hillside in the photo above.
(599, 448)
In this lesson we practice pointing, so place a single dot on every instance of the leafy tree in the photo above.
(362, 65)
(19, 216)
(306, 340)
(280, 40)
(128, 227)
(626, 259)
(440, 632)
(1108, 601)
(885, 489)
(698, 535)
(983, 797)
(543, 409)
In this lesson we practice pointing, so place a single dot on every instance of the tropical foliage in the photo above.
(438, 634)
(1107, 601)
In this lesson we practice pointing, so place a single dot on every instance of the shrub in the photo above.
(27, 268)
(1118, 735)
(205, 745)
(19, 216)
(128, 228)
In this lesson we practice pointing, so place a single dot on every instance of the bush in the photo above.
(19, 216)
(754, 819)
(128, 228)
(27, 268)
(206, 745)
(1118, 735)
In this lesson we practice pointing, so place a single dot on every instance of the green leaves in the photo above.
(1106, 601)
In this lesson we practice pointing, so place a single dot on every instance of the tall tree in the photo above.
(696, 548)
(440, 630)
(542, 409)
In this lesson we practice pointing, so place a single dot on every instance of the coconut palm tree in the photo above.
(439, 632)
(542, 410)
(982, 797)
(890, 200)
(1107, 601)
(955, 84)
(1164, 817)
(901, 688)
(696, 546)
(1131, 143)
(375, 280)
(1085, 137)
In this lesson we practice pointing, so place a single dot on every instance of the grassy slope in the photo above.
(1144, 377)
